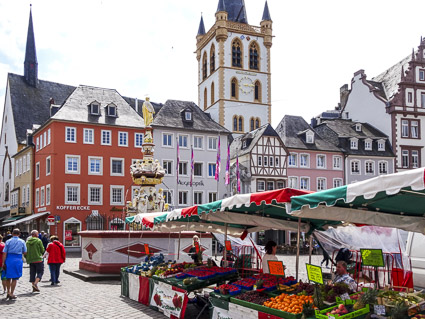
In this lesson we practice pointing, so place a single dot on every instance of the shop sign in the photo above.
(372, 257)
(314, 273)
(168, 301)
(276, 267)
(194, 184)
(68, 234)
(228, 245)
(67, 207)
(219, 313)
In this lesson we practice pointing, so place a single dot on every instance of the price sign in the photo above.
(196, 247)
(276, 267)
(147, 249)
(228, 245)
(314, 273)
(379, 310)
(372, 257)
(345, 296)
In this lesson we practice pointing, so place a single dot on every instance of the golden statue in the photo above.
(148, 112)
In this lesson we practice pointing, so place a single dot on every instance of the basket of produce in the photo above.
(341, 311)
(246, 283)
(227, 289)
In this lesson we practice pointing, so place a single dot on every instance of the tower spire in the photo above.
(221, 6)
(30, 63)
(266, 13)
(201, 29)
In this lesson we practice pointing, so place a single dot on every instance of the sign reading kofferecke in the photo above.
(67, 207)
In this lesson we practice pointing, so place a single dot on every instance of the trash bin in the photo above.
(124, 282)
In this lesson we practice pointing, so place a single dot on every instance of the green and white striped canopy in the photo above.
(242, 213)
(394, 200)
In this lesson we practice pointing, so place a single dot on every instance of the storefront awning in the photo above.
(21, 220)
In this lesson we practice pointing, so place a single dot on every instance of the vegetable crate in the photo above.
(322, 314)
(267, 310)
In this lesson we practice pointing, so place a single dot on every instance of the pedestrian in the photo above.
(2, 272)
(45, 240)
(12, 261)
(270, 248)
(35, 251)
(326, 258)
(56, 257)
(7, 237)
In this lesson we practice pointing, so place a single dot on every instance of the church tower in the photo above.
(30, 63)
(234, 75)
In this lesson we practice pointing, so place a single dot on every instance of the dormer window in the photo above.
(368, 144)
(381, 145)
(244, 144)
(353, 143)
(309, 137)
(95, 108)
(112, 110)
(358, 127)
(188, 115)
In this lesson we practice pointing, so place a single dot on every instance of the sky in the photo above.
(146, 48)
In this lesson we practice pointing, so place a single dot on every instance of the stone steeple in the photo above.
(30, 63)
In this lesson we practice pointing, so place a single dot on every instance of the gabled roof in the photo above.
(292, 131)
(391, 77)
(132, 102)
(251, 139)
(76, 108)
(170, 116)
(340, 132)
(30, 105)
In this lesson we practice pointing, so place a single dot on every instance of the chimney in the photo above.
(29, 137)
(313, 122)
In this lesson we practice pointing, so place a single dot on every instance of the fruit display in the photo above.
(190, 281)
(289, 303)
(201, 274)
(227, 289)
(419, 317)
(286, 288)
(247, 283)
(288, 281)
(339, 310)
(254, 297)
(368, 297)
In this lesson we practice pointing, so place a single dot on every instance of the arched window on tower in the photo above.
(252, 124)
(235, 123)
(205, 98)
(204, 66)
(257, 123)
(212, 94)
(254, 56)
(240, 124)
(212, 59)
(234, 88)
(257, 91)
(237, 53)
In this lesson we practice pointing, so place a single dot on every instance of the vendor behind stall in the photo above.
(342, 276)
(270, 248)
(192, 252)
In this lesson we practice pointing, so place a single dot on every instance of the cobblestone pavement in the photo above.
(74, 298)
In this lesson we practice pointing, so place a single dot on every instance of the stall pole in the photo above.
(225, 250)
(297, 261)
(310, 248)
(128, 246)
(178, 247)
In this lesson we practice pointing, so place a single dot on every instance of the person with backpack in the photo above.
(56, 256)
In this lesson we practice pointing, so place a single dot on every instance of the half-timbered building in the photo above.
(262, 160)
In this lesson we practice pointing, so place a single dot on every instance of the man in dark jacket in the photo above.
(45, 240)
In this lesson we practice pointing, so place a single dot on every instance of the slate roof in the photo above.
(236, 11)
(77, 108)
(266, 13)
(391, 77)
(30, 105)
(201, 29)
(379, 88)
(132, 102)
(170, 115)
(340, 131)
(292, 129)
(251, 140)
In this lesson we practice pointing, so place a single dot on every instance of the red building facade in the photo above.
(81, 167)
